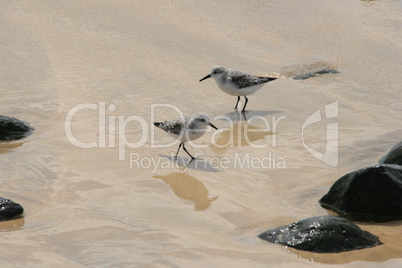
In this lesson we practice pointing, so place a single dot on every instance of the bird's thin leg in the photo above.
(238, 99)
(178, 150)
(192, 157)
(244, 116)
(189, 162)
(245, 103)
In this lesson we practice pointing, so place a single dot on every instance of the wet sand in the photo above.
(97, 74)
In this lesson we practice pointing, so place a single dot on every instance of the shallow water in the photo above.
(115, 67)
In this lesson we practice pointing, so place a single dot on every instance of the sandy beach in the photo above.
(98, 181)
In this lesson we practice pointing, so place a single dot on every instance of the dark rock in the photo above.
(9, 209)
(13, 129)
(394, 156)
(370, 194)
(324, 234)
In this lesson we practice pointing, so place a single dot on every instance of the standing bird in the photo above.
(237, 83)
(186, 128)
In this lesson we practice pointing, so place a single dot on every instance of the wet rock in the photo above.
(323, 234)
(370, 194)
(315, 73)
(9, 209)
(307, 70)
(13, 129)
(394, 156)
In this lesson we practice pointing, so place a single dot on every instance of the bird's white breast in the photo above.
(230, 88)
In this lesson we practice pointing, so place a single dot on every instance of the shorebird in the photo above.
(237, 83)
(186, 128)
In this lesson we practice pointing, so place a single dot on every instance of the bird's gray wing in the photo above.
(173, 126)
(242, 80)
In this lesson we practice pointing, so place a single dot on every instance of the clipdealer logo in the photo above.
(116, 127)
(330, 156)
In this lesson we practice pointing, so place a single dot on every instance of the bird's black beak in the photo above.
(206, 77)
(213, 126)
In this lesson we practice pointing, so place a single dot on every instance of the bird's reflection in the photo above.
(189, 188)
(244, 116)
(239, 134)
(187, 163)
